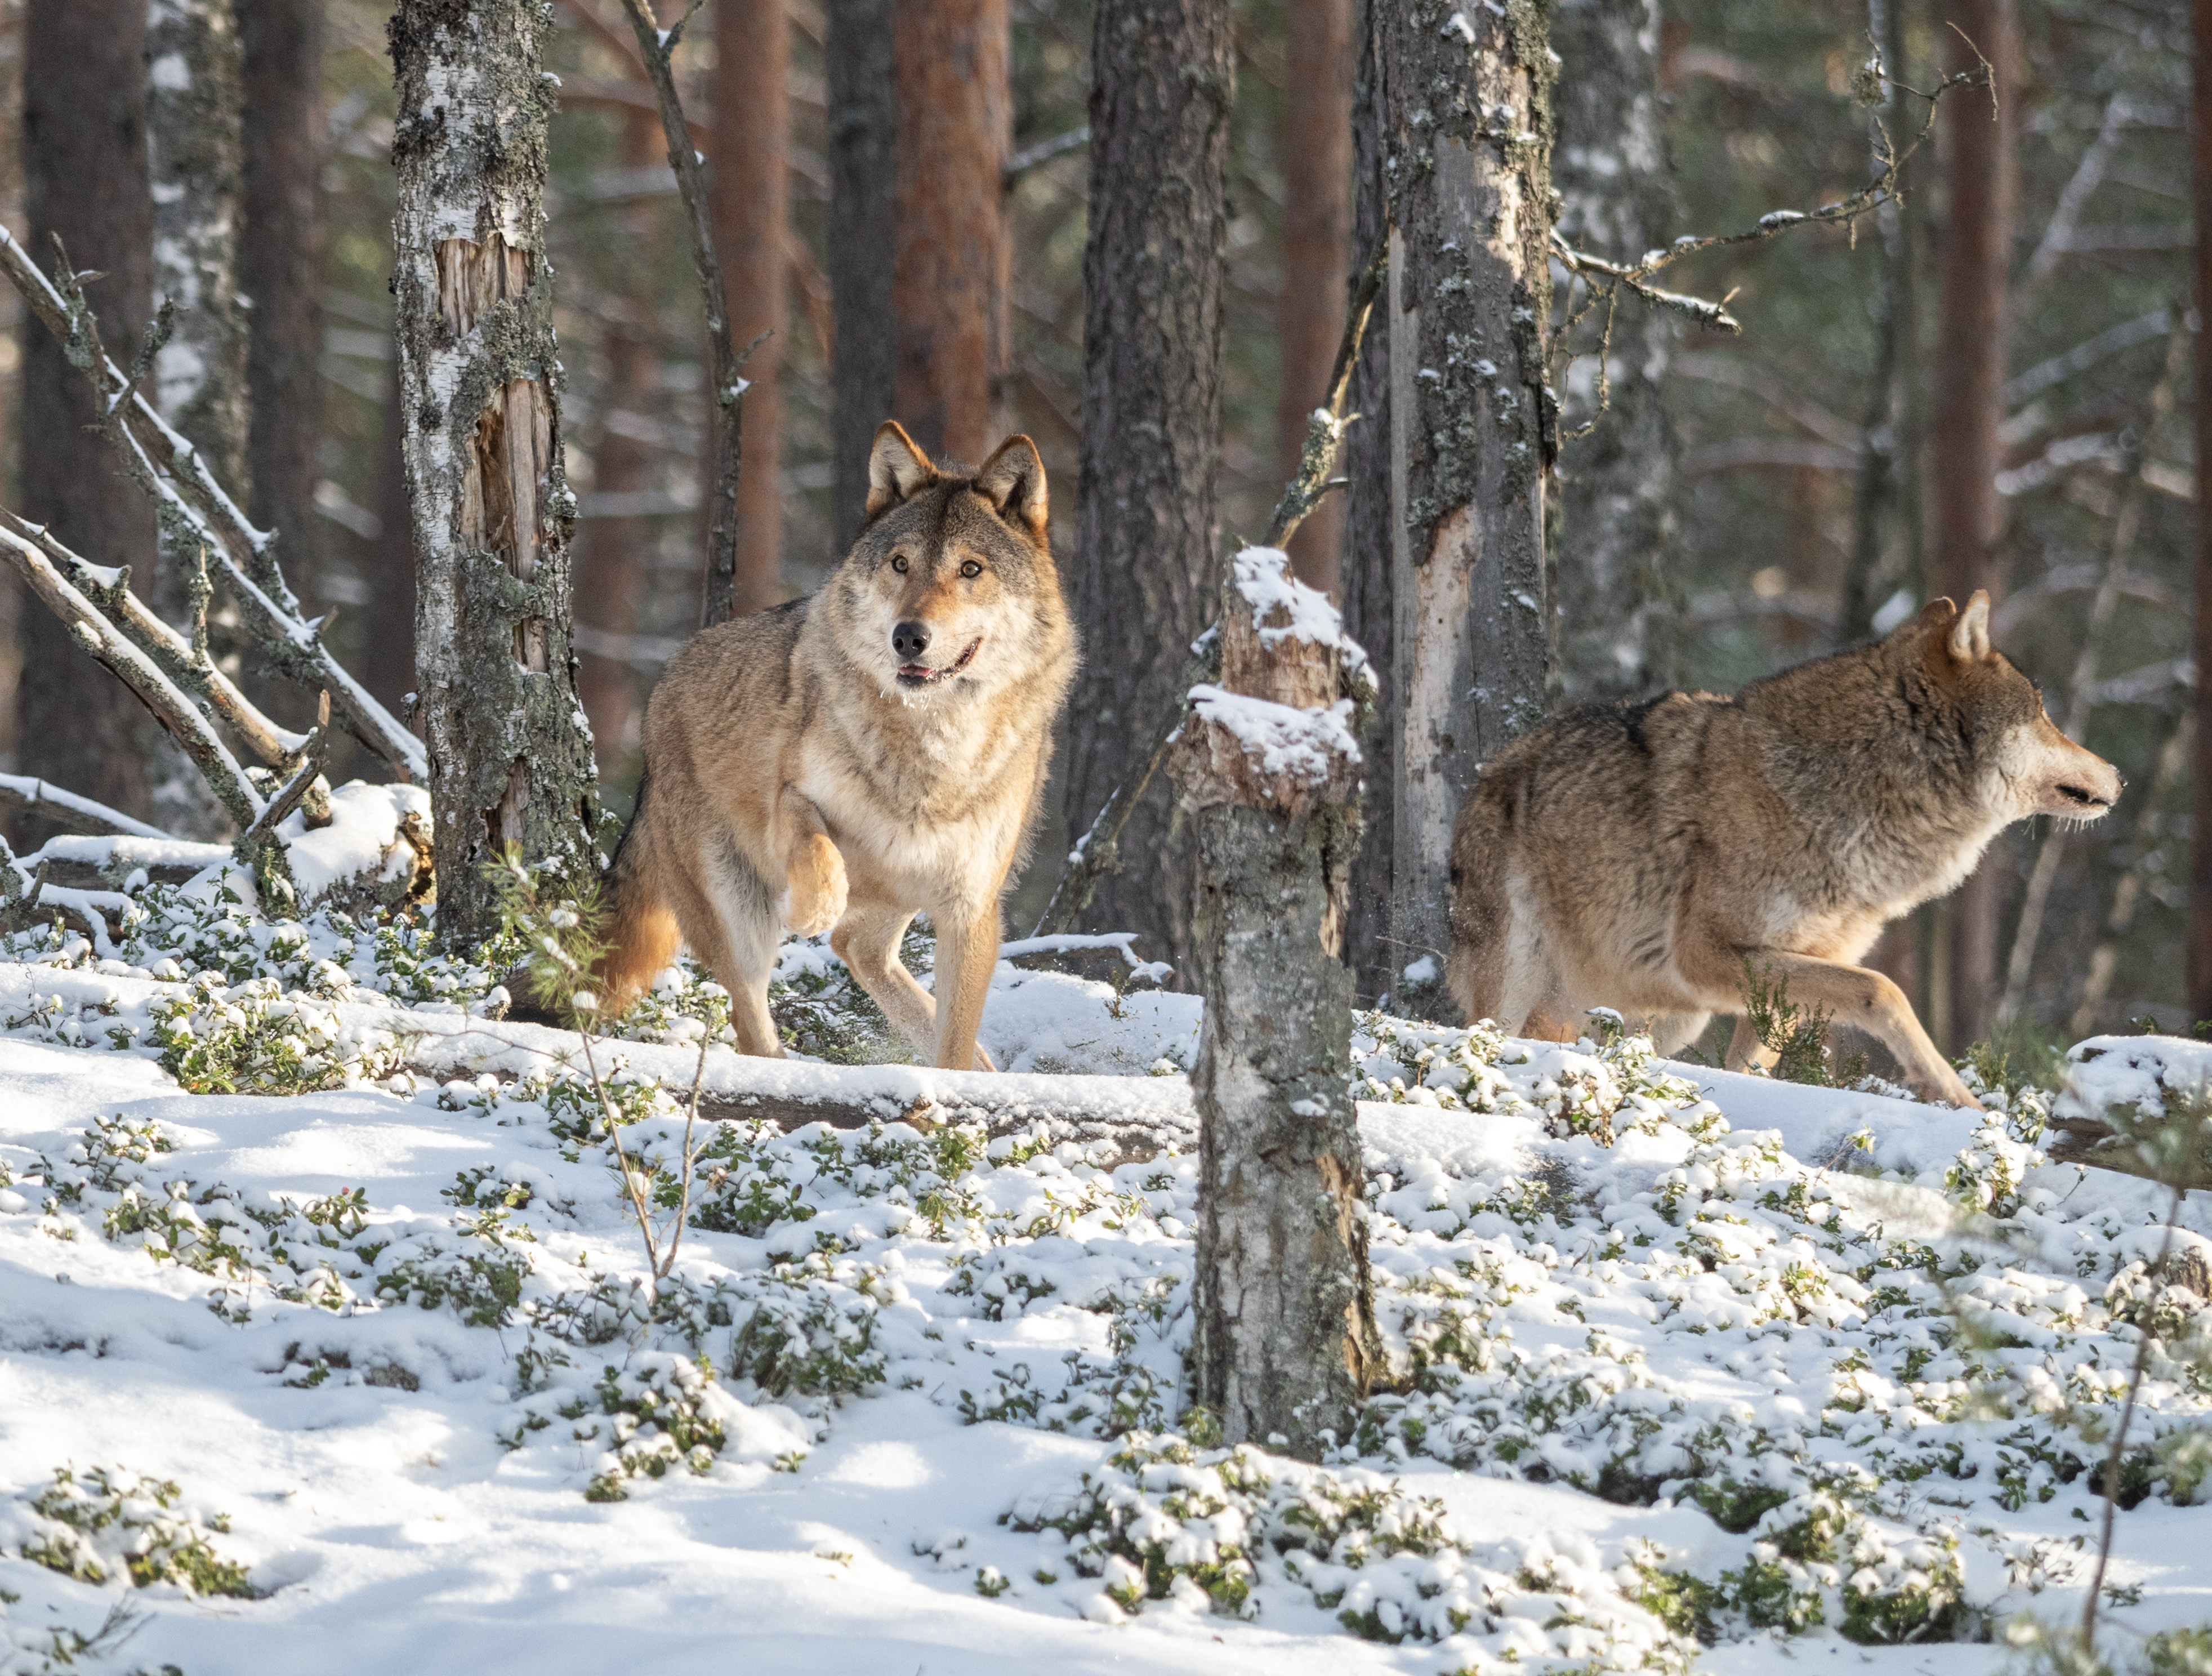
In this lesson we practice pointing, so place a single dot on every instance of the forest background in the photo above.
(1789, 484)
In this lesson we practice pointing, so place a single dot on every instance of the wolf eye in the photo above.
(971, 570)
(898, 564)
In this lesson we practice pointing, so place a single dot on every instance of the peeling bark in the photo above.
(510, 750)
(1284, 1344)
(1619, 487)
(1467, 128)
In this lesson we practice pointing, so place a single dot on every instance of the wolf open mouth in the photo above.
(921, 675)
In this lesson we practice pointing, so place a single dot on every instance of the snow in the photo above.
(1282, 739)
(366, 1331)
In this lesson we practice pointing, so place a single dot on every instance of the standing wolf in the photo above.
(843, 761)
(1638, 855)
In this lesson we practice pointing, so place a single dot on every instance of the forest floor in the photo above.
(1698, 1370)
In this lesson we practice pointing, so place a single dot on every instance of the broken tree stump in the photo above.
(1284, 1346)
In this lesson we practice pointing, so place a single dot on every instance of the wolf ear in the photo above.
(897, 470)
(1012, 481)
(1969, 641)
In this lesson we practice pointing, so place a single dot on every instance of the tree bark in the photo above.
(1364, 581)
(2199, 927)
(279, 268)
(610, 551)
(388, 663)
(1970, 355)
(85, 164)
(1283, 1344)
(1163, 78)
(948, 270)
(748, 201)
(1619, 486)
(1468, 122)
(863, 128)
(510, 751)
(1318, 255)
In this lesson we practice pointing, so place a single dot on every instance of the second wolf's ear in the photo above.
(1969, 641)
(1012, 481)
(897, 468)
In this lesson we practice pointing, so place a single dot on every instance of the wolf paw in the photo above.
(814, 900)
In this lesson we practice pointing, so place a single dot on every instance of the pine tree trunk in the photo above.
(388, 656)
(1971, 356)
(1164, 79)
(1363, 582)
(85, 176)
(1283, 1342)
(2199, 925)
(863, 125)
(510, 752)
(194, 75)
(949, 271)
(1472, 431)
(1619, 486)
(748, 203)
(1317, 253)
(610, 551)
(280, 269)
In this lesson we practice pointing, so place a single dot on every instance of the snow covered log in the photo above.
(1284, 1344)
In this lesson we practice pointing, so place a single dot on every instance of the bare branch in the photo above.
(68, 808)
(1033, 156)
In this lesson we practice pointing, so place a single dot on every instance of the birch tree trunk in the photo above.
(949, 268)
(1163, 82)
(863, 124)
(749, 202)
(280, 269)
(1619, 486)
(1466, 102)
(1317, 253)
(510, 751)
(85, 178)
(1364, 581)
(1283, 1344)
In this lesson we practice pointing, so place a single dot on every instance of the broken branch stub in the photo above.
(1284, 1344)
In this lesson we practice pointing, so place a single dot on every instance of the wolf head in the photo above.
(2025, 766)
(951, 591)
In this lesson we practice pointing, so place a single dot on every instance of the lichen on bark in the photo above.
(511, 759)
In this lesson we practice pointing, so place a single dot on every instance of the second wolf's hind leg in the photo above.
(1746, 1049)
(867, 939)
(728, 914)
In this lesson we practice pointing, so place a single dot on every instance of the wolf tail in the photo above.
(641, 932)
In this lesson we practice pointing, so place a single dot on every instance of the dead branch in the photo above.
(657, 47)
(1326, 426)
(194, 507)
(1034, 156)
(69, 811)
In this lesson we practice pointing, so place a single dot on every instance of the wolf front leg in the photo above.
(813, 873)
(967, 955)
(1852, 995)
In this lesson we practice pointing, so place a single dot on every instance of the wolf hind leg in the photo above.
(1671, 1032)
(1744, 1048)
(866, 939)
(728, 915)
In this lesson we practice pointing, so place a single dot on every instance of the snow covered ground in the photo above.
(1700, 1371)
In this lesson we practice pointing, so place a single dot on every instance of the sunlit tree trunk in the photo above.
(1317, 253)
(751, 108)
(1163, 78)
(1971, 354)
(510, 752)
(85, 163)
(863, 124)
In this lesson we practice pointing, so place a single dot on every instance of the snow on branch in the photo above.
(68, 808)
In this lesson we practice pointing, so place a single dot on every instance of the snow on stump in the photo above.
(1285, 1342)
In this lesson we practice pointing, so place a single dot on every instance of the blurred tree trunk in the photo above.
(949, 267)
(1364, 581)
(1619, 486)
(1163, 82)
(280, 269)
(510, 752)
(388, 642)
(1471, 437)
(85, 165)
(863, 128)
(1970, 354)
(610, 551)
(1317, 253)
(2199, 925)
(749, 194)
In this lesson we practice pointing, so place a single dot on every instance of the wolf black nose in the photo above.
(910, 640)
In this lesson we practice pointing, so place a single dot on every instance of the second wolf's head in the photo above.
(950, 592)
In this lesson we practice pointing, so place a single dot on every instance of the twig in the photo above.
(1326, 426)
(193, 506)
(288, 797)
(657, 47)
(1032, 156)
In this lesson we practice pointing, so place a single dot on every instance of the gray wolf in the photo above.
(1637, 855)
(843, 761)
